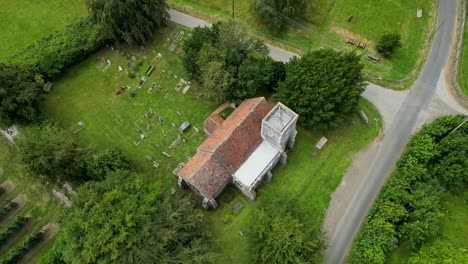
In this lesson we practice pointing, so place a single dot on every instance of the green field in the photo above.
(39, 204)
(463, 67)
(25, 21)
(453, 229)
(327, 24)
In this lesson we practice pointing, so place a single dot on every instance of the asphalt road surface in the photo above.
(191, 22)
(398, 133)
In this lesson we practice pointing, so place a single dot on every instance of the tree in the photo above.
(20, 95)
(279, 234)
(451, 170)
(388, 43)
(45, 149)
(323, 87)
(229, 64)
(101, 163)
(275, 13)
(143, 224)
(439, 252)
(133, 21)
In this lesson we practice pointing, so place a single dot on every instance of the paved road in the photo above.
(191, 22)
(398, 133)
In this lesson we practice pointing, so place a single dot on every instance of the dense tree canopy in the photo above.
(127, 220)
(323, 87)
(408, 207)
(439, 252)
(53, 152)
(275, 14)
(279, 234)
(20, 95)
(228, 63)
(133, 21)
(46, 149)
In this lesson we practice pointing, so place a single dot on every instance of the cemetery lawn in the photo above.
(39, 204)
(463, 67)
(312, 179)
(453, 228)
(86, 93)
(327, 21)
(25, 21)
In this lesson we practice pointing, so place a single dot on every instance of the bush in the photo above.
(131, 75)
(408, 207)
(388, 43)
(17, 225)
(51, 55)
(7, 208)
(18, 252)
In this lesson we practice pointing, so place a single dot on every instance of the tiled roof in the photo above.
(222, 153)
(212, 123)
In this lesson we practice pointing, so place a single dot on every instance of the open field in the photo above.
(25, 21)
(453, 229)
(35, 200)
(310, 175)
(463, 67)
(327, 24)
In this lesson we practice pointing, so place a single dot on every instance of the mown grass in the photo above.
(25, 21)
(453, 228)
(310, 175)
(327, 25)
(41, 206)
(88, 94)
(463, 67)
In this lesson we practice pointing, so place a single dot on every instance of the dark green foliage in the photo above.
(280, 233)
(131, 75)
(54, 255)
(439, 252)
(20, 95)
(275, 14)
(408, 207)
(229, 64)
(452, 169)
(19, 251)
(125, 219)
(131, 21)
(51, 55)
(200, 36)
(16, 226)
(7, 208)
(48, 150)
(388, 43)
(323, 87)
(101, 163)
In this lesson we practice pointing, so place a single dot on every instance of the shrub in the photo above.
(51, 55)
(17, 225)
(7, 208)
(133, 93)
(18, 252)
(131, 75)
(388, 43)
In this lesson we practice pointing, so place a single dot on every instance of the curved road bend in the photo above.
(398, 133)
